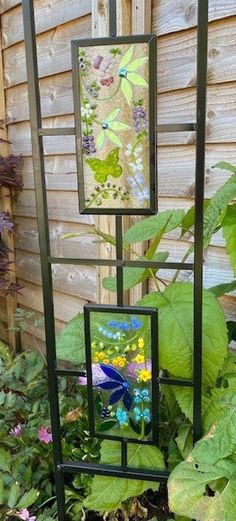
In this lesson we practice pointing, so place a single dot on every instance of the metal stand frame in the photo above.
(37, 133)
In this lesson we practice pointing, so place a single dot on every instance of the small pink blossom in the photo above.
(45, 435)
(25, 515)
(16, 431)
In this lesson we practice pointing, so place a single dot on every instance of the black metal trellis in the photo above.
(37, 133)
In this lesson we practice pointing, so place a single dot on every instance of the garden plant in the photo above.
(202, 483)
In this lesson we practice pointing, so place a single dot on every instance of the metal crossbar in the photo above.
(37, 133)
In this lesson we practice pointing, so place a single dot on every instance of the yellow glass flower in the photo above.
(119, 361)
(100, 356)
(144, 375)
(140, 343)
(139, 359)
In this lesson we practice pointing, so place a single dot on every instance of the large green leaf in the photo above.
(150, 227)
(13, 495)
(229, 233)
(187, 491)
(219, 203)
(184, 439)
(108, 493)
(5, 460)
(222, 439)
(70, 342)
(189, 218)
(222, 289)
(133, 276)
(175, 307)
(209, 464)
(28, 498)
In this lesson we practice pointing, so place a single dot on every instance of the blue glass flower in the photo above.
(136, 324)
(141, 395)
(118, 383)
(142, 415)
(122, 416)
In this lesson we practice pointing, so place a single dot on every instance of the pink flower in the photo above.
(45, 435)
(16, 431)
(25, 515)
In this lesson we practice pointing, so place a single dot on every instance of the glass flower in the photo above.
(128, 75)
(109, 127)
(141, 395)
(144, 375)
(118, 384)
(122, 416)
(142, 415)
(139, 359)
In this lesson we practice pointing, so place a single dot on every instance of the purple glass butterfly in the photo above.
(118, 383)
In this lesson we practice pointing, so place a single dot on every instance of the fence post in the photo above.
(7, 207)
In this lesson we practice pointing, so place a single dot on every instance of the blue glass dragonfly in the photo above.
(118, 384)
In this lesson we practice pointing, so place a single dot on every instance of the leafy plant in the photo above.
(202, 480)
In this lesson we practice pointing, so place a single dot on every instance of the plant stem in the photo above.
(186, 255)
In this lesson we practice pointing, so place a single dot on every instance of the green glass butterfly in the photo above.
(102, 168)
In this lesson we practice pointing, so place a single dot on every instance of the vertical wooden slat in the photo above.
(141, 16)
(141, 23)
(7, 207)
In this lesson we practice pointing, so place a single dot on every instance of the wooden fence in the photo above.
(57, 23)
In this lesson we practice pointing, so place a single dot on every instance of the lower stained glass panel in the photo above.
(122, 368)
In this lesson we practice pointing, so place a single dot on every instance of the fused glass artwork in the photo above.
(115, 99)
(121, 352)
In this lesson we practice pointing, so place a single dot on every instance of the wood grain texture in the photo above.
(169, 16)
(177, 53)
(65, 308)
(60, 206)
(173, 107)
(141, 16)
(5, 194)
(27, 238)
(78, 281)
(5, 5)
(54, 51)
(47, 16)
(176, 170)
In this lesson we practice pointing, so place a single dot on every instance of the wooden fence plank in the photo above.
(170, 16)
(216, 269)
(176, 55)
(5, 193)
(47, 16)
(176, 170)
(26, 238)
(65, 307)
(54, 52)
(173, 107)
(61, 206)
(71, 280)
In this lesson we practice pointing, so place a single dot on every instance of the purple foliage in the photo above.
(6, 222)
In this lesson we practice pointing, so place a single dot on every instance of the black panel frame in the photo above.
(75, 45)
